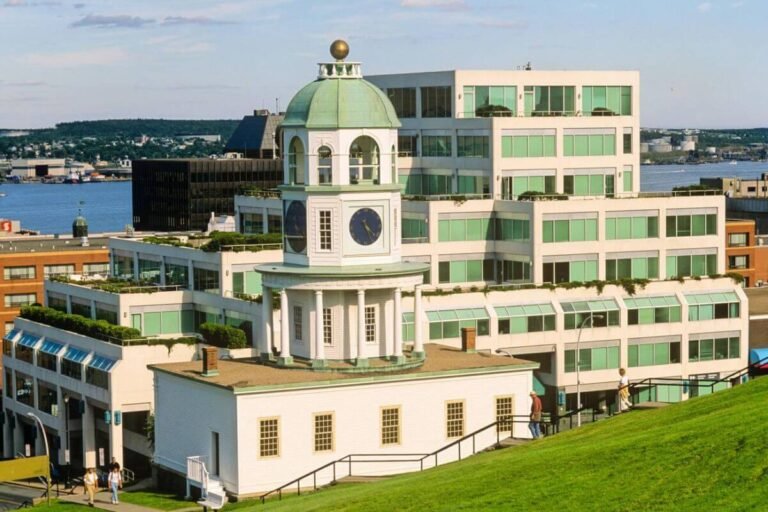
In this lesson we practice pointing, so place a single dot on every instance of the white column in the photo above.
(89, 437)
(360, 325)
(398, 324)
(418, 313)
(116, 441)
(319, 331)
(7, 436)
(266, 322)
(285, 330)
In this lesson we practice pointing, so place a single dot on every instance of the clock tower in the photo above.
(342, 278)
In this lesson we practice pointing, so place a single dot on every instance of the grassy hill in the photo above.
(707, 454)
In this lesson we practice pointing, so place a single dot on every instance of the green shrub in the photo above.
(100, 329)
(218, 239)
(224, 336)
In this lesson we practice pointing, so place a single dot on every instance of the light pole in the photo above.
(590, 319)
(47, 454)
(66, 440)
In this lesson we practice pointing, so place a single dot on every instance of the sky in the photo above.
(701, 63)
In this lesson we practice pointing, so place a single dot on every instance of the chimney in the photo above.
(468, 336)
(210, 361)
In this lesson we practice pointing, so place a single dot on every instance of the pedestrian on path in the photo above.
(90, 482)
(624, 403)
(115, 482)
(535, 424)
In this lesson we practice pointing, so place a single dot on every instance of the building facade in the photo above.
(180, 195)
(745, 252)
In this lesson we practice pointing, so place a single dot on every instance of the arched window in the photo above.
(324, 166)
(296, 162)
(364, 161)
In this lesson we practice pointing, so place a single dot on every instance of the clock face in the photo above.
(296, 226)
(365, 226)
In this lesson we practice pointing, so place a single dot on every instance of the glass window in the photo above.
(269, 437)
(738, 239)
(454, 419)
(206, 280)
(58, 270)
(364, 161)
(325, 229)
(436, 102)
(149, 271)
(574, 230)
(17, 300)
(25, 389)
(504, 413)
(591, 359)
(598, 100)
(18, 273)
(296, 162)
(473, 146)
(407, 145)
(549, 100)
(324, 166)
(176, 275)
(390, 425)
(96, 268)
(404, 101)
(323, 432)
(691, 225)
(525, 146)
(436, 145)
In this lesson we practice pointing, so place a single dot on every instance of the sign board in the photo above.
(20, 469)
(101, 457)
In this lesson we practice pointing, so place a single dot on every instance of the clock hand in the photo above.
(368, 230)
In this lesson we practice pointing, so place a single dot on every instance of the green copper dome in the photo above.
(340, 103)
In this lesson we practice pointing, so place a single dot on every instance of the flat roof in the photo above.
(50, 244)
(385, 269)
(248, 375)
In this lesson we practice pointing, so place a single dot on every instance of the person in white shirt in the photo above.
(90, 482)
(115, 482)
(624, 403)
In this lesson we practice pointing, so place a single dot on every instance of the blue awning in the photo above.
(538, 386)
(51, 347)
(75, 355)
(11, 335)
(102, 363)
(758, 356)
(29, 340)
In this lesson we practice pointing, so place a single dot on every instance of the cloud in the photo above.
(78, 6)
(15, 3)
(97, 57)
(118, 21)
(186, 48)
(737, 4)
(438, 4)
(704, 7)
(193, 20)
(22, 84)
(25, 3)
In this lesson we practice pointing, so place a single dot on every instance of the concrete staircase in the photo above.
(215, 495)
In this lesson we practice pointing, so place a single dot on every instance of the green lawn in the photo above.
(707, 454)
(61, 506)
(156, 499)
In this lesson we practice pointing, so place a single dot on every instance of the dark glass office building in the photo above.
(179, 195)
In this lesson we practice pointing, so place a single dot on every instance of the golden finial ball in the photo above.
(339, 49)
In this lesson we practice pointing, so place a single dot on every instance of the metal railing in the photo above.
(710, 385)
(251, 247)
(197, 473)
(422, 459)
(446, 197)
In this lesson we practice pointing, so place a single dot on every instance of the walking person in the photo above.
(115, 482)
(535, 424)
(90, 482)
(624, 403)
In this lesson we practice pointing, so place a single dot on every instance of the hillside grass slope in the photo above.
(706, 454)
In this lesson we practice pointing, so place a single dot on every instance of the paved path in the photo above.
(103, 501)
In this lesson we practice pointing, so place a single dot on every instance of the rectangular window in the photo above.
(206, 280)
(504, 412)
(463, 230)
(390, 425)
(600, 100)
(713, 306)
(691, 225)
(525, 319)
(404, 101)
(738, 239)
(632, 268)
(573, 230)
(515, 271)
(407, 145)
(269, 437)
(691, 266)
(18, 300)
(58, 270)
(653, 310)
(570, 271)
(709, 349)
(625, 228)
(472, 146)
(17, 273)
(370, 324)
(549, 100)
(627, 143)
(589, 144)
(527, 146)
(327, 327)
(25, 389)
(592, 313)
(590, 359)
(589, 185)
(436, 102)
(737, 262)
(464, 271)
(448, 323)
(651, 354)
(454, 419)
(298, 323)
(513, 187)
(323, 435)
(490, 101)
(325, 230)
(513, 229)
(436, 145)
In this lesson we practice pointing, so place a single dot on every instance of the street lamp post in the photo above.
(47, 453)
(590, 319)
(67, 462)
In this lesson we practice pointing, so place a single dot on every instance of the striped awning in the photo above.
(51, 347)
(75, 355)
(102, 363)
(29, 340)
(11, 335)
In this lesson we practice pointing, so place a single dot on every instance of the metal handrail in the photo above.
(251, 247)
(651, 382)
(395, 457)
